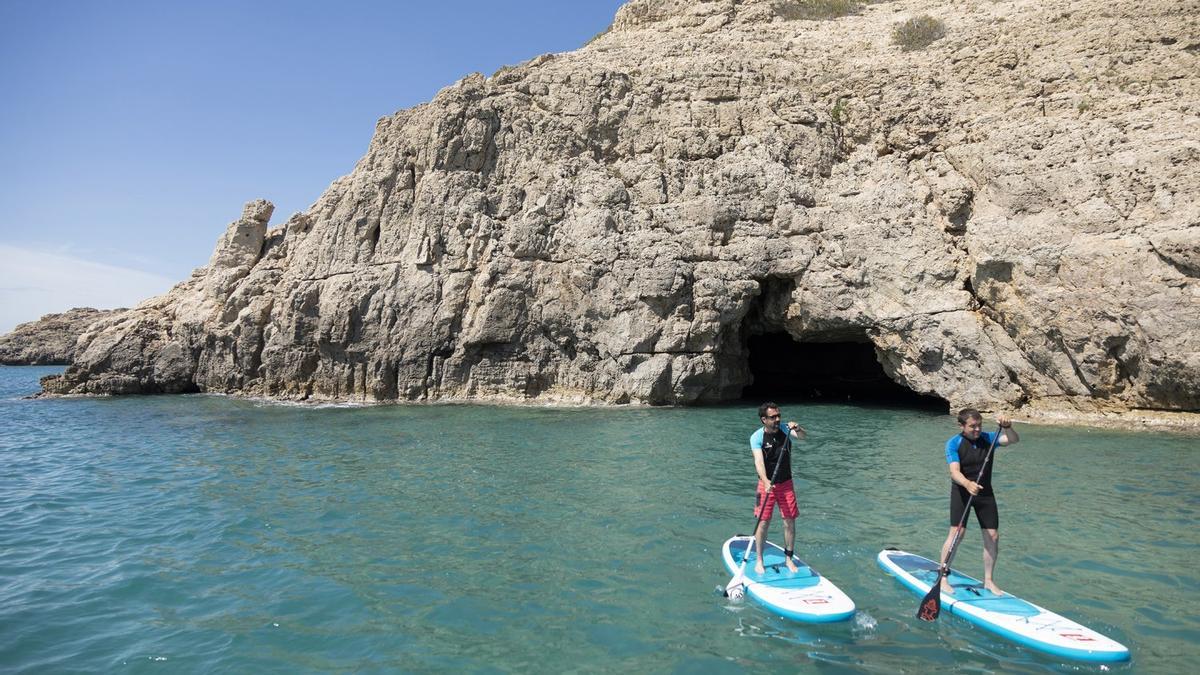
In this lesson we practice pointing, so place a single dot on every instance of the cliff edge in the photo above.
(49, 341)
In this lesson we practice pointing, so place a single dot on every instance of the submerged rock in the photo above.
(1008, 216)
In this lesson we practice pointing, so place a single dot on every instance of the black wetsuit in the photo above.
(970, 456)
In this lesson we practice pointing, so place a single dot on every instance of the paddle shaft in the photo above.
(931, 605)
(761, 510)
(961, 528)
(767, 493)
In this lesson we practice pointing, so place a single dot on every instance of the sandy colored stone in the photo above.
(1009, 216)
(49, 341)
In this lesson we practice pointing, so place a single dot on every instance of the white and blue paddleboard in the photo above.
(1018, 620)
(803, 595)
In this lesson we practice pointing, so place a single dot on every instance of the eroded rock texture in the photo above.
(49, 341)
(1009, 216)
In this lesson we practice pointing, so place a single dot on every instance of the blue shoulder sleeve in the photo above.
(756, 440)
(952, 449)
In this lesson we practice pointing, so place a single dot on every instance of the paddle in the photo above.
(931, 604)
(733, 589)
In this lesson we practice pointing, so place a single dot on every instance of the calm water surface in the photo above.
(207, 534)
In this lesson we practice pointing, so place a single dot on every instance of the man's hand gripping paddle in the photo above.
(931, 604)
(735, 589)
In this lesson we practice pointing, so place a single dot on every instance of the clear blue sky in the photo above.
(132, 131)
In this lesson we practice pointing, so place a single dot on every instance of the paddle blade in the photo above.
(931, 604)
(734, 589)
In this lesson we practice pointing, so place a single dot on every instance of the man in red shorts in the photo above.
(770, 446)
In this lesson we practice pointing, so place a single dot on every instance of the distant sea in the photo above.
(204, 534)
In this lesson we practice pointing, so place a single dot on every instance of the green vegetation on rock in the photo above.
(918, 32)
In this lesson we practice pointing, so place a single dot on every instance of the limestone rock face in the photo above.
(49, 341)
(1009, 216)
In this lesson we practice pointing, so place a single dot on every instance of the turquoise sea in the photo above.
(189, 534)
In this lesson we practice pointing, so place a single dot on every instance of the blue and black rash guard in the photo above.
(771, 445)
(969, 455)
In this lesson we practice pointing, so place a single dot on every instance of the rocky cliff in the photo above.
(49, 341)
(1008, 216)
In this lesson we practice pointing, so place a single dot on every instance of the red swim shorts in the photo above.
(783, 494)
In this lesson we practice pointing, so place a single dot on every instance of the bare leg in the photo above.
(760, 535)
(991, 549)
(946, 587)
(789, 540)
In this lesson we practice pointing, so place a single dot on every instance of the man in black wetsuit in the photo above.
(965, 453)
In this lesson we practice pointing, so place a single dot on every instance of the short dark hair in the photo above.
(762, 409)
(967, 414)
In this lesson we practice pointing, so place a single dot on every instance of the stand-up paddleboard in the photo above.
(803, 595)
(1018, 620)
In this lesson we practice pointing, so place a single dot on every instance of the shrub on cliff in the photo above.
(816, 9)
(918, 32)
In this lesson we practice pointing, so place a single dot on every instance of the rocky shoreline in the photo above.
(1127, 420)
(1006, 218)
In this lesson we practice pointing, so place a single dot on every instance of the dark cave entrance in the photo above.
(785, 370)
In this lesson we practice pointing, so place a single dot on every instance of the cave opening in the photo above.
(843, 371)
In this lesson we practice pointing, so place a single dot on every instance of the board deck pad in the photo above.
(803, 595)
(1006, 615)
(777, 573)
(966, 589)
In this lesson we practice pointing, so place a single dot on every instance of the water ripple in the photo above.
(209, 534)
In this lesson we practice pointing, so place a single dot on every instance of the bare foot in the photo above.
(946, 587)
(760, 569)
(991, 586)
(792, 566)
